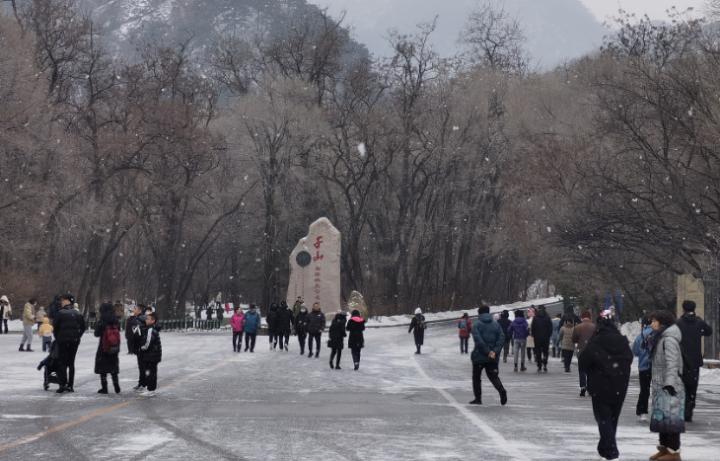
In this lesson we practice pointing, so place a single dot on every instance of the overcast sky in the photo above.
(602, 9)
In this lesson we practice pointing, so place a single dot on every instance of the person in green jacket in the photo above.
(489, 341)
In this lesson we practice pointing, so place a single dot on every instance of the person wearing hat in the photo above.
(504, 322)
(417, 327)
(5, 313)
(693, 329)
(251, 327)
(489, 340)
(68, 327)
(607, 360)
(582, 334)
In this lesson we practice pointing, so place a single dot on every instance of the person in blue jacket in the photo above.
(642, 352)
(489, 341)
(252, 324)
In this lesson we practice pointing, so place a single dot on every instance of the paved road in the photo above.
(216, 405)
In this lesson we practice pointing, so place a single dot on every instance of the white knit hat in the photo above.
(418, 311)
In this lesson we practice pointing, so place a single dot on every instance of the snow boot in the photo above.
(662, 451)
(582, 392)
(317, 353)
(503, 397)
(331, 364)
(476, 402)
(103, 385)
(671, 455)
(22, 348)
(116, 383)
(357, 366)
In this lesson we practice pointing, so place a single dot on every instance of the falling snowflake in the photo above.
(362, 149)
(549, 229)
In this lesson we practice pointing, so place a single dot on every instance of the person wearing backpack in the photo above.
(107, 329)
(68, 328)
(417, 327)
(693, 329)
(519, 331)
(464, 329)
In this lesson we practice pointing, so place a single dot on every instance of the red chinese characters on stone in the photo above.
(318, 243)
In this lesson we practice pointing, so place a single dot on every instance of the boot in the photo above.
(331, 364)
(503, 397)
(116, 383)
(337, 364)
(582, 392)
(671, 455)
(516, 368)
(22, 348)
(317, 353)
(28, 349)
(662, 451)
(522, 368)
(103, 385)
(476, 402)
(357, 366)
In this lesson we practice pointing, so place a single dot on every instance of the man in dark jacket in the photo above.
(541, 330)
(68, 328)
(284, 325)
(489, 340)
(134, 331)
(607, 360)
(582, 334)
(693, 328)
(315, 327)
(504, 322)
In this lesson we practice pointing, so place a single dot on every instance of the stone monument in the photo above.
(315, 268)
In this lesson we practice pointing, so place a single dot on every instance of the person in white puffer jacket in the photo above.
(5, 313)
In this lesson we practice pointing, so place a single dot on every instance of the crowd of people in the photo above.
(669, 355)
(669, 352)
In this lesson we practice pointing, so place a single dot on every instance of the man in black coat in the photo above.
(607, 359)
(541, 331)
(693, 329)
(134, 331)
(68, 328)
(504, 322)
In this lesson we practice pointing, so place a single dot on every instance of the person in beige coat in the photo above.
(28, 320)
(5, 313)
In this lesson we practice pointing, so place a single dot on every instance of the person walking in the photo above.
(272, 325)
(151, 353)
(504, 322)
(46, 332)
(641, 351)
(607, 360)
(68, 327)
(667, 417)
(555, 338)
(518, 331)
(356, 340)
(301, 325)
(693, 329)
(567, 347)
(464, 329)
(530, 341)
(237, 323)
(417, 327)
(299, 303)
(315, 328)
(28, 320)
(582, 333)
(251, 327)
(107, 362)
(541, 331)
(489, 340)
(284, 325)
(337, 339)
(5, 313)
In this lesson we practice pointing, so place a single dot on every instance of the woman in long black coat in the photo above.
(337, 339)
(106, 357)
(356, 340)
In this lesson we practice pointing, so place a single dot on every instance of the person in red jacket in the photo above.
(464, 329)
(237, 322)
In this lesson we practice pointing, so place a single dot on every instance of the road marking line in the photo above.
(98, 412)
(501, 442)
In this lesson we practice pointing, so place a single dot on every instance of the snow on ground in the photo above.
(214, 404)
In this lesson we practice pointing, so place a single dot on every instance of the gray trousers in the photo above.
(27, 335)
(519, 350)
